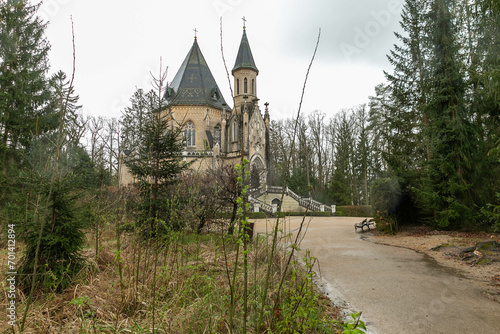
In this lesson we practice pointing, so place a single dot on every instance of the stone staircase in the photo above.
(307, 203)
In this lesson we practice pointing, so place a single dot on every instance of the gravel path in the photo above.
(398, 289)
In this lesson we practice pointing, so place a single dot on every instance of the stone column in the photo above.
(256, 207)
(223, 145)
(245, 127)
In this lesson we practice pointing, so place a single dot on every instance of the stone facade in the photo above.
(213, 131)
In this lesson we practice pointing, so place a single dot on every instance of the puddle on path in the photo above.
(433, 264)
(430, 262)
(365, 236)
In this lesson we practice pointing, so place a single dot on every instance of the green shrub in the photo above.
(386, 197)
(256, 215)
(354, 211)
(308, 214)
(263, 215)
(250, 215)
(57, 242)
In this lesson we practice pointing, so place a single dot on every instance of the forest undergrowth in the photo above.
(180, 284)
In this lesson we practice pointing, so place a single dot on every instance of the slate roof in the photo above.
(194, 84)
(244, 58)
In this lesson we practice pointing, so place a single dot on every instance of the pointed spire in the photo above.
(266, 112)
(244, 58)
(194, 83)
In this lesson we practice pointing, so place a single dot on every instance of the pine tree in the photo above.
(342, 179)
(380, 108)
(62, 240)
(408, 119)
(155, 163)
(480, 40)
(38, 164)
(453, 136)
(24, 96)
(24, 64)
(64, 106)
(135, 118)
(318, 138)
(406, 113)
(362, 155)
(279, 147)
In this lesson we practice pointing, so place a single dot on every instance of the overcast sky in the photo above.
(119, 42)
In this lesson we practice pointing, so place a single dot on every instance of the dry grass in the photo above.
(179, 285)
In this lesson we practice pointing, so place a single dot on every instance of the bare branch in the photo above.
(74, 65)
(224, 61)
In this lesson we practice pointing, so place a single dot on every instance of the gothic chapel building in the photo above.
(215, 132)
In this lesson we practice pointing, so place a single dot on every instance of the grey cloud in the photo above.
(351, 30)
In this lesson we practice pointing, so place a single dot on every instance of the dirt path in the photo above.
(398, 289)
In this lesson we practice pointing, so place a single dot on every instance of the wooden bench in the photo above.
(364, 223)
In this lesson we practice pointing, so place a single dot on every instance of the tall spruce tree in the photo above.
(407, 119)
(135, 118)
(404, 114)
(24, 92)
(480, 23)
(380, 108)
(362, 155)
(64, 104)
(37, 164)
(155, 163)
(24, 96)
(454, 139)
(341, 185)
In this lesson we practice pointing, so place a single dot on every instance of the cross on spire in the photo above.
(195, 31)
(244, 22)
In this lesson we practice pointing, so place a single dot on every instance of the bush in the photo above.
(386, 197)
(263, 215)
(58, 244)
(256, 215)
(308, 213)
(354, 211)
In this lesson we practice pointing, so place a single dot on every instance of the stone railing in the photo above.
(258, 204)
(274, 189)
(310, 204)
(316, 204)
(257, 192)
(293, 195)
(307, 203)
(279, 190)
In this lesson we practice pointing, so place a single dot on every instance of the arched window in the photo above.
(276, 201)
(254, 177)
(253, 86)
(190, 134)
(235, 131)
(245, 86)
(217, 135)
(237, 86)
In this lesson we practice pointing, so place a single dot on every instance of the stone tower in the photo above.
(247, 114)
(245, 75)
(214, 132)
